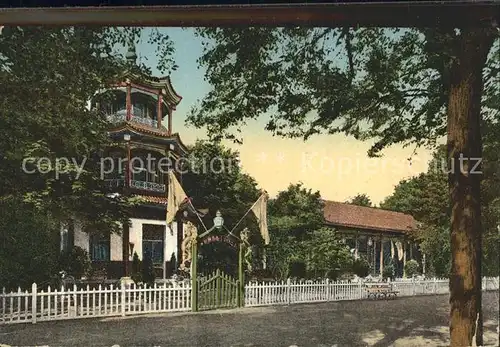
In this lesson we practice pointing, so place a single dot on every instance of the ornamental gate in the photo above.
(218, 290)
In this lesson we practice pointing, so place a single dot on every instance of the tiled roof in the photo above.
(368, 218)
(149, 129)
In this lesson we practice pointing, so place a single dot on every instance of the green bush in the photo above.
(412, 268)
(261, 274)
(148, 274)
(297, 269)
(360, 267)
(76, 262)
(388, 271)
(136, 269)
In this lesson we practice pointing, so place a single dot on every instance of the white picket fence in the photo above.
(52, 304)
(23, 307)
(294, 292)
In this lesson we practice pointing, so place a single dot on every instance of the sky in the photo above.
(335, 165)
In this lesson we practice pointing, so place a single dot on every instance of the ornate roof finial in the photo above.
(131, 55)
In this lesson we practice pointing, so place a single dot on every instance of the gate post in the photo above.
(34, 292)
(241, 277)
(194, 275)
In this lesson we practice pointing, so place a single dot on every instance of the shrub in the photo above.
(297, 269)
(136, 269)
(388, 271)
(261, 274)
(360, 267)
(412, 268)
(148, 274)
(76, 262)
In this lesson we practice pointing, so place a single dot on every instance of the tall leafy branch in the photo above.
(407, 86)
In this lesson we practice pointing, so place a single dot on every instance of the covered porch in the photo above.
(382, 237)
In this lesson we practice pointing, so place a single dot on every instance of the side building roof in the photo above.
(367, 218)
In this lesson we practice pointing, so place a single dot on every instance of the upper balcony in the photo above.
(116, 183)
(146, 171)
(136, 116)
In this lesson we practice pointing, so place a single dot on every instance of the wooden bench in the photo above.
(381, 291)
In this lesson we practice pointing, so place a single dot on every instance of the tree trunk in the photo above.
(464, 145)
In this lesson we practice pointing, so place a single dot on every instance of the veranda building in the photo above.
(382, 237)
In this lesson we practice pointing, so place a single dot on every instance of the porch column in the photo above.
(128, 100)
(404, 259)
(381, 255)
(159, 112)
(356, 246)
(170, 120)
(164, 260)
(374, 256)
(423, 264)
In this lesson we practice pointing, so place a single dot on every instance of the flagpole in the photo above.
(246, 213)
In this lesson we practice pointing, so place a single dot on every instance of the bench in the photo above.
(381, 291)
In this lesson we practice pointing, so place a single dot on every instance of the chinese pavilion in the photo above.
(143, 150)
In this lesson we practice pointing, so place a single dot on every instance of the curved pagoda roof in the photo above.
(157, 83)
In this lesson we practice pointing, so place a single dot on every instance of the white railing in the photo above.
(155, 187)
(58, 304)
(137, 118)
(292, 292)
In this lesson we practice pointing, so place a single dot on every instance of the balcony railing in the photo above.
(122, 117)
(151, 186)
(142, 185)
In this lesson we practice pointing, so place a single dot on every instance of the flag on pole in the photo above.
(175, 198)
(259, 209)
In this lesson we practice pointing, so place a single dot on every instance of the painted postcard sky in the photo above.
(336, 165)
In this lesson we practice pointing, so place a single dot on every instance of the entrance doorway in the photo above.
(153, 246)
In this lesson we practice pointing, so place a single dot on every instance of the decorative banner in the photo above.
(392, 249)
(259, 208)
(219, 238)
(399, 246)
(176, 196)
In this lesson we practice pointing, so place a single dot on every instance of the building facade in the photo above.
(136, 164)
(382, 237)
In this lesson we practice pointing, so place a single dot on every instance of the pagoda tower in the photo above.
(143, 150)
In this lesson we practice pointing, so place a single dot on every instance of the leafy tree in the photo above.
(393, 85)
(29, 243)
(423, 197)
(412, 268)
(50, 151)
(300, 208)
(214, 179)
(76, 262)
(326, 255)
(361, 200)
(294, 215)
